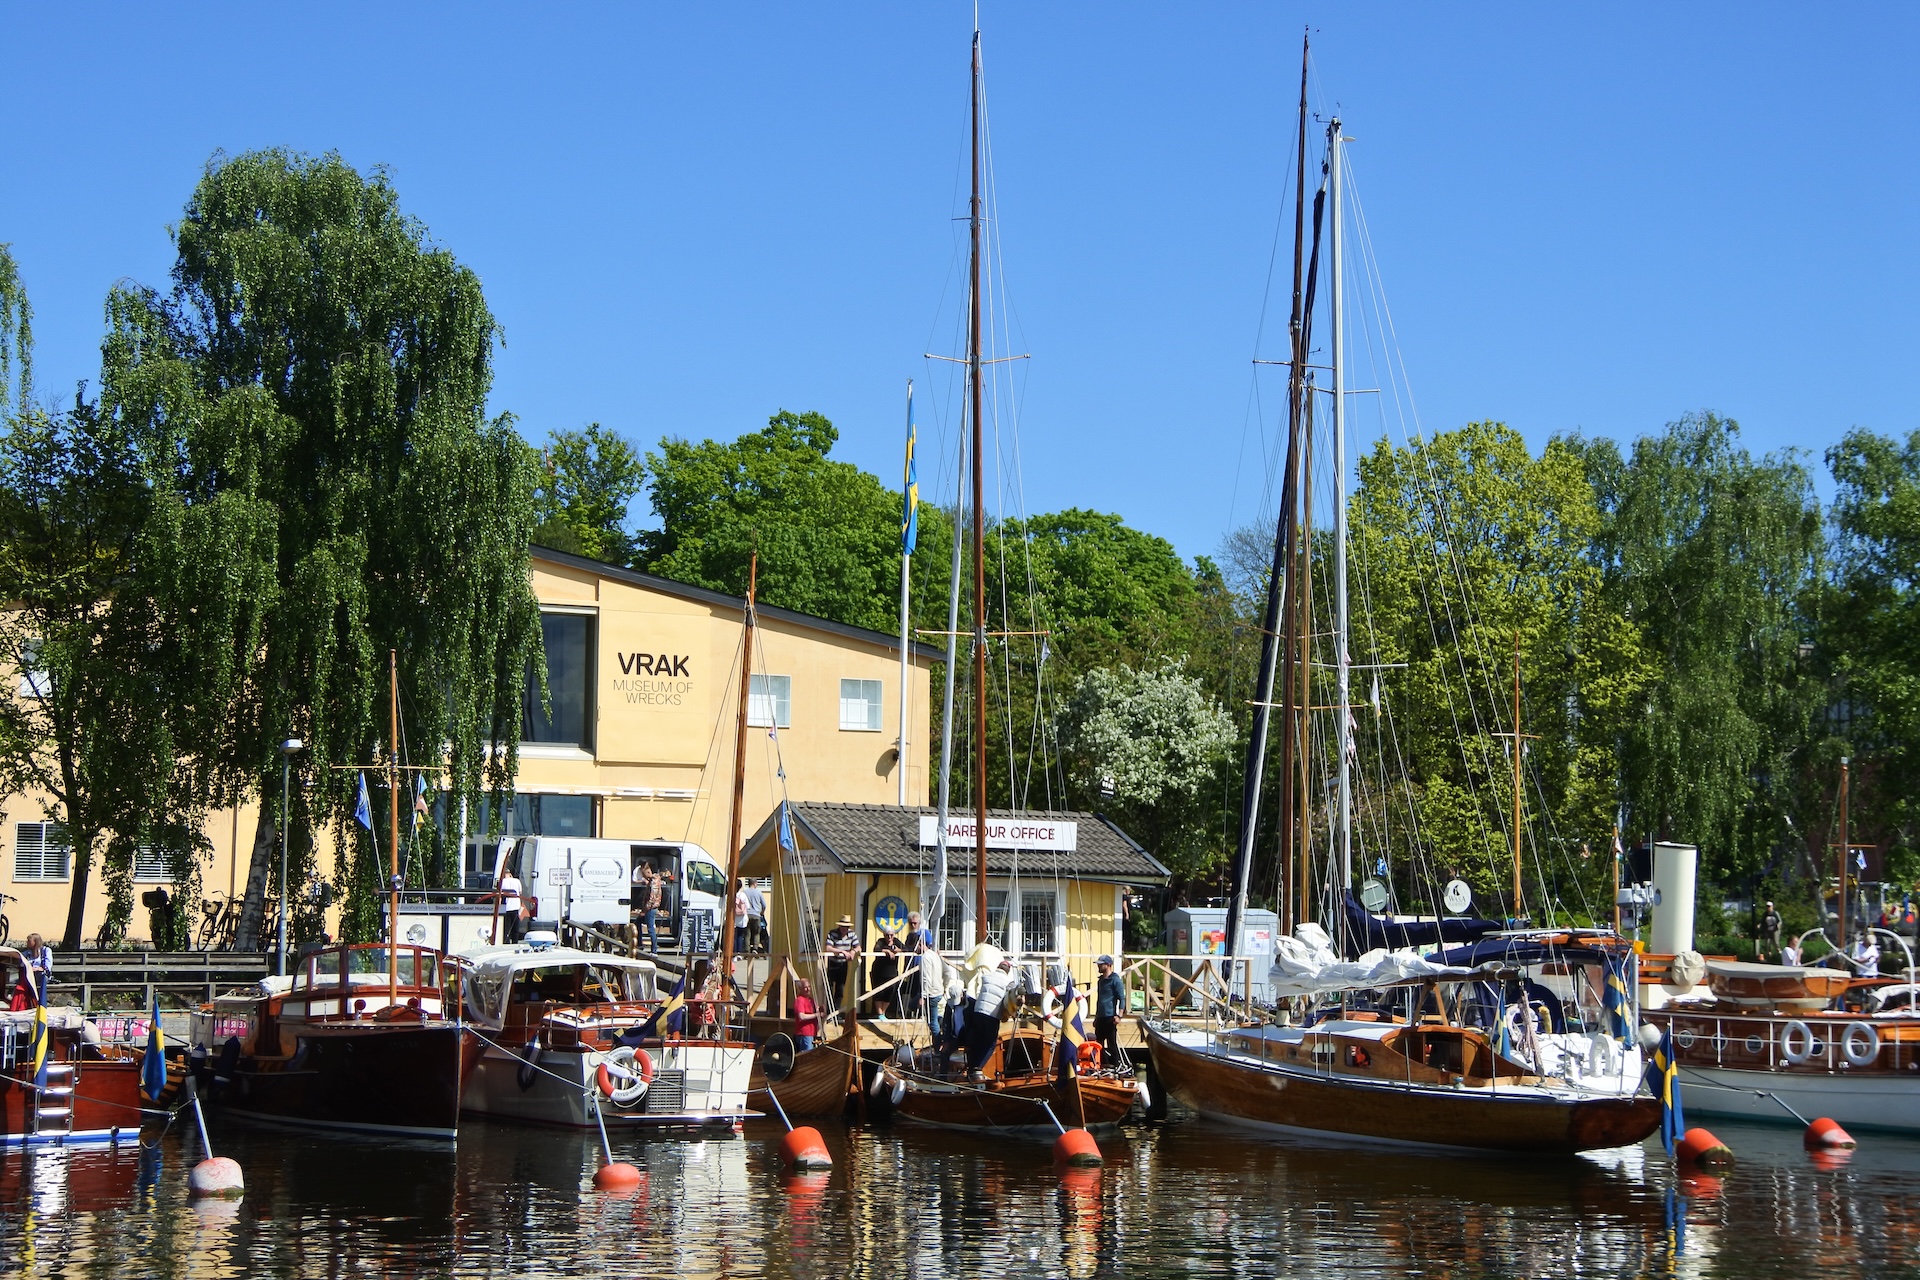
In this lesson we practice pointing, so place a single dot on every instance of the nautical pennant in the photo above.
(153, 1067)
(1663, 1082)
(910, 520)
(1614, 1000)
(363, 809)
(38, 1049)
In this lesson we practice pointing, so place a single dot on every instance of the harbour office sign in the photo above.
(1003, 833)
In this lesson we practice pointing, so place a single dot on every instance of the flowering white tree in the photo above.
(1149, 748)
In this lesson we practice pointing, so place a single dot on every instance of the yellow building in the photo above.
(639, 742)
(1056, 882)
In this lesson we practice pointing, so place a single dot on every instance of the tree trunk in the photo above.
(82, 855)
(246, 936)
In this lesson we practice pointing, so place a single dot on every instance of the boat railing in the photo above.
(1215, 987)
(1759, 1041)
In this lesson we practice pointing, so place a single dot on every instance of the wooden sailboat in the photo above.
(1404, 1068)
(359, 1037)
(1032, 1079)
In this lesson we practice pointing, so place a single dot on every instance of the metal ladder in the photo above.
(53, 1104)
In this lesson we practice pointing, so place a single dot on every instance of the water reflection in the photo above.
(1181, 1199)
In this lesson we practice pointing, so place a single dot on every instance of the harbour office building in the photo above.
(637, 742)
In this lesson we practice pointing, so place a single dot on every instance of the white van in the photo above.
(593, 882)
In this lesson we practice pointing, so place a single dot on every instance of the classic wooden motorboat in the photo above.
(360, 1037)
(556, 1034)
(1020, 1089)
(1425, 1084)
(88, 1091)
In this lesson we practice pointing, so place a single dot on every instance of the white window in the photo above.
(35, 682)
(770, 702)
(151, 865)
(860, 704)
(40, 851)
(1036, 921)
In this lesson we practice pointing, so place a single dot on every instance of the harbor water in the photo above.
(1186, 1197)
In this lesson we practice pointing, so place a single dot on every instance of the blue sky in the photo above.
(687, 218)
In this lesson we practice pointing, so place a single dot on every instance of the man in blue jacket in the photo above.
(1108, 1000)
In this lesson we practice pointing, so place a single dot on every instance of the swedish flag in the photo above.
(1663, 1082)
(667, 1019)
(37, 1048)
(1073, 1032)
(153, 1066)
(910, 519)
(1615, 1000)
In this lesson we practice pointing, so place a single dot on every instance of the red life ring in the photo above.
(1090, 1054)
(625, 1095)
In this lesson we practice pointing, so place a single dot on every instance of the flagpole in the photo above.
(909, 531)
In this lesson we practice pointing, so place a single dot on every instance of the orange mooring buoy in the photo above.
(804, 1148)
(1824, 1134)
(1076, 1147)
(616, 1176)
(1699, 1147)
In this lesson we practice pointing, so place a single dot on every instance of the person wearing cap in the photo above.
(841, 946)
(1109, 998)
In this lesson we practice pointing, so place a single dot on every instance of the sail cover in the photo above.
(1305, 964)
(1368, 932)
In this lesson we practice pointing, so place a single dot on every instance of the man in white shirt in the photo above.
(1866, 957)
(742, 910)
(509, 891)
(757, 939)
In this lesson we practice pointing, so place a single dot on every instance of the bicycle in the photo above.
(217, 920)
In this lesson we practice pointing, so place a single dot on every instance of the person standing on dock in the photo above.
(1109, 997)
(841, 944)
(758, 939)
(509, 891)
(39, 964)
(1769, 934)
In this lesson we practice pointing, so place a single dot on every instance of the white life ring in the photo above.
(623, 1076)
(1796, 1042)
(1050, 1004)
(1861, 1044)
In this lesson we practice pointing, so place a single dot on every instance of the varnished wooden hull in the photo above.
(1515, 1118)
(1015, 1104)
(816, 1087)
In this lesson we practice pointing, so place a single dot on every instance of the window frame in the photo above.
(146, 859)
(769, 701)
(589, 709)
(44, 846)
(1052, 900)
(875, 706)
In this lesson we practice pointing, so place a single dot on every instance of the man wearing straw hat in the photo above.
(841, 946)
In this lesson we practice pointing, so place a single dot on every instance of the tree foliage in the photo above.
(587, 480)
(309, 400)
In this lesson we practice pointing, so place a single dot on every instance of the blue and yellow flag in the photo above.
(1615, 1001)
(667, 1019)
(1663, 1082)
(910, 520)
(37, 1048)
(153, 1067)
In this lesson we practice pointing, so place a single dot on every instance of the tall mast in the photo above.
(739, 779)
(979, 528)
(937, 907)
(1846, 856)
(1303, 628)
(1279, 585)
(1337, 313)
(907, 500)
(393, 829)
(1518, 745)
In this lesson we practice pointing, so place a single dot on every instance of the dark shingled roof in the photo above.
(885, 837)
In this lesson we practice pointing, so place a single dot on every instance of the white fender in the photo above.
(1796, 1042)
(1603, 1055)
(1862, 1044)
(899, 1091)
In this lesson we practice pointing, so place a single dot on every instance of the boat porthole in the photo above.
(1683, 1038)
(1755, 1045)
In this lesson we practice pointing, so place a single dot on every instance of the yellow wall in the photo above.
(674, 736)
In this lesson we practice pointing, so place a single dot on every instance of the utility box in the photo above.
(1200, 933)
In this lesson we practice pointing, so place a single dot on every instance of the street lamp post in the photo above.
(287, 750)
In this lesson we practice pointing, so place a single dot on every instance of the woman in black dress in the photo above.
(886, 967)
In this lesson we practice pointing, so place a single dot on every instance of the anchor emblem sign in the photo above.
(891, 916)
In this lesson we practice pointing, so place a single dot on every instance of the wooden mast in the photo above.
(979, 528)
(1846, 856)
(1519, 745)
(739, 779)
(393, 829)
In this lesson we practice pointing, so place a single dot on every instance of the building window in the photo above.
(860, 705)
(997, 918)
(35, 682)
(1036, 922)
(947, 936)
(568, 720)
(770, 702)
(152, 865)
(40, 851)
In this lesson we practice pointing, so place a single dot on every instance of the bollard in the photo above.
(1076, 1147)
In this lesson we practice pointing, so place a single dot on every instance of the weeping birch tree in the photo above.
(310, 402)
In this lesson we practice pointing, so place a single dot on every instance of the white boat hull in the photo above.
(1857, 1100)
(695, 1083)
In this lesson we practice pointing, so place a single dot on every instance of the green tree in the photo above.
(310, 402)
(1462, 545)
(587, 479)
(1148, 747)
(1715, 556)
(1871, 632)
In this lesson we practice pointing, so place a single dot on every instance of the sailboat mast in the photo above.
(393, 829)
(907, 500)
(937, 906)
(1279, 590)
(739, 774)
(979, 526)
(1518, 745)
(1337, 313)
